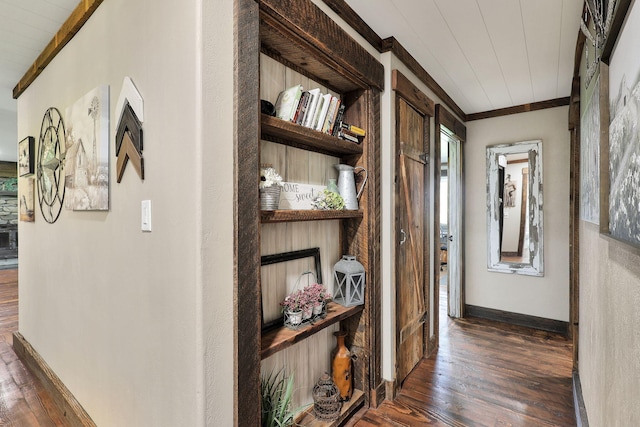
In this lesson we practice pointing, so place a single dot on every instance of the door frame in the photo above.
(413, 96)
(457, 129)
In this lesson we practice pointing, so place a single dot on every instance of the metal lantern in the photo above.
(348, 278)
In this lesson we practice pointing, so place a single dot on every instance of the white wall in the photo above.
(547, 296)
(125, 318)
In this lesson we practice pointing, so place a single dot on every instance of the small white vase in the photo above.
(294, 318)
(317, 309)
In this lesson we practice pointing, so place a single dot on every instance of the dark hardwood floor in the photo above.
(23, 400)
(484, 374)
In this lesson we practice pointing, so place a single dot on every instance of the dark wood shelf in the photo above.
(307, 419)
(281, 338)
(284, 132)
(306, 215)
(308, 42)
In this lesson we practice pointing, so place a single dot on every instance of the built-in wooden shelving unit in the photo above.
(300, 37)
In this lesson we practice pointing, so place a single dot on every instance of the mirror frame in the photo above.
(535, 266)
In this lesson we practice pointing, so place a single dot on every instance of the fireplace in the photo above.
(8, 241)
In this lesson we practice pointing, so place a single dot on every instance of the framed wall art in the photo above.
(26, 154)
(620, 145)
(87, 161)
(590, 158)
(27, 200)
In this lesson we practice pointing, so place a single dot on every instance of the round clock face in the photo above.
(50, 174)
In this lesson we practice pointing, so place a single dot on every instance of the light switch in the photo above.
(146, 215)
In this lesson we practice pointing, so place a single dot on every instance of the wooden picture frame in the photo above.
(619, 152)
(284, 257)
(26, 156)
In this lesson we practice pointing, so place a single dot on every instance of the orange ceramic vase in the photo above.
(341, 367)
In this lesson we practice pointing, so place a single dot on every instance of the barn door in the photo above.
(412, 249)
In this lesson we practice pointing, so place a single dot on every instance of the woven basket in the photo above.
(270, 198)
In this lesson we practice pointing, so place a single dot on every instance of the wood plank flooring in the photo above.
(484, 374)
(23, 400)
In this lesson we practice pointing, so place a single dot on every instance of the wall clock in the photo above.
(50, 175)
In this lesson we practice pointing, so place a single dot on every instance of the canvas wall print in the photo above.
(590, 159)
(87, 162)
(26, 154)
(27, 200)
(624, 144)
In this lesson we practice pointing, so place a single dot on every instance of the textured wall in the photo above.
(609, 348)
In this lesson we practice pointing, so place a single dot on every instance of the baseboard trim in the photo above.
(578, 402)
(378, 395)
(71, 409)
(534, 322)
(391, 389)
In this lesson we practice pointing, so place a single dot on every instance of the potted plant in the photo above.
(317, 295)
(277, 391)
(294, 306)
(270, 185)
(328, 200)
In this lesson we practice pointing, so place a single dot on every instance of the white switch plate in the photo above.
(146, 215)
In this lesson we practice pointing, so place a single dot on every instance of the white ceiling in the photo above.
(26, 26)
(486, 54)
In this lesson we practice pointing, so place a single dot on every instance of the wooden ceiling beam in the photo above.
(524, 108)
(71, 26)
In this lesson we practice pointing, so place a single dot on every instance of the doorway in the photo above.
(412, 200)
(449, 216)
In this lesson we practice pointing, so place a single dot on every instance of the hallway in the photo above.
(485, 374)
(23, 400)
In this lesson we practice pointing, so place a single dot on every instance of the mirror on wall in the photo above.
(514, 201)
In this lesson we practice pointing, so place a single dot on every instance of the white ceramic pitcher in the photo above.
(347, 184)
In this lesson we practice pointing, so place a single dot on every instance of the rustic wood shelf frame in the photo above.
(280, 338)
(312, 44)
(307, 215)
(284, 132)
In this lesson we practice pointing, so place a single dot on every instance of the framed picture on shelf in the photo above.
(274, 296)
(26, 150)
(620, 152)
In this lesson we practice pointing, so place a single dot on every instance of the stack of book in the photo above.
(349, 132)
(315, 110)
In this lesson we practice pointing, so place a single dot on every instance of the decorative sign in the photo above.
(297, 196)
(130, 109)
